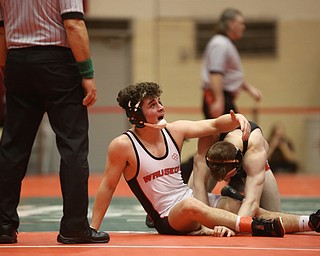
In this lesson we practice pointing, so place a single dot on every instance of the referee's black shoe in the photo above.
(89, 236)
(8, 235)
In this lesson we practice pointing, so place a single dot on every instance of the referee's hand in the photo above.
(90, 89)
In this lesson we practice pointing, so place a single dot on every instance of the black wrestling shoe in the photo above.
(314, 221)
(8, 235)
(89, 236)
(231, 192)
(149, 222)
(267, 227)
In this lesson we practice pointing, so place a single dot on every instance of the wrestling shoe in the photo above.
(89, 236)
(149, 222)
(267, 227)
(231, 192)
(314, 221)
(8, 235)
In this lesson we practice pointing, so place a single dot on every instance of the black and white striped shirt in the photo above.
(37, 22)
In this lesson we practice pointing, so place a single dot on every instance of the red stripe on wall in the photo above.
(194, 110)
(105, 110)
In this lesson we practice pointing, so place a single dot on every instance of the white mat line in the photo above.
(317, 249)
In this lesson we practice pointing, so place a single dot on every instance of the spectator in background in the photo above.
(281, 155)
(222, 72)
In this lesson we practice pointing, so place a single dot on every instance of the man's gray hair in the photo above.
(228, 14)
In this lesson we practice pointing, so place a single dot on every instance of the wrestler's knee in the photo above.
(192, 206)
(229, 204)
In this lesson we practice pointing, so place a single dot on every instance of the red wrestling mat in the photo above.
(49, 186)
(144, 244)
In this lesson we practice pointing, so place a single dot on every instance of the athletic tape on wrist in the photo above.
(86, 68)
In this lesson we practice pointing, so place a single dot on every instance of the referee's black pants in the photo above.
(39, 80)
(229, 104)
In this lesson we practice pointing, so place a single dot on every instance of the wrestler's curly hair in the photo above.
(137, 92)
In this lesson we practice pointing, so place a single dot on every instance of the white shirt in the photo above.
(222, 56)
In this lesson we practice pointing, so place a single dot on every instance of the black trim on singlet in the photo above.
(135, 187)
(174, 142)
(154, 157)
(161, 224)
(136, 152)
(72, 15)
(143, 199)
(1, 23)
(241, 173)
(163, 227)
(245, 143)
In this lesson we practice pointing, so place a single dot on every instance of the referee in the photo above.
(44, 48)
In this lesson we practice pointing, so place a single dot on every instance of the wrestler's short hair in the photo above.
(222, 157)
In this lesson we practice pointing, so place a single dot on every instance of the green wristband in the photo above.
(86, 68)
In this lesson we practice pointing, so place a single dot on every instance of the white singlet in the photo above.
(158, 184)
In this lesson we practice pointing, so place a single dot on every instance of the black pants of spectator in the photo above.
(228, 105)
(39, 80)
(187, 166)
